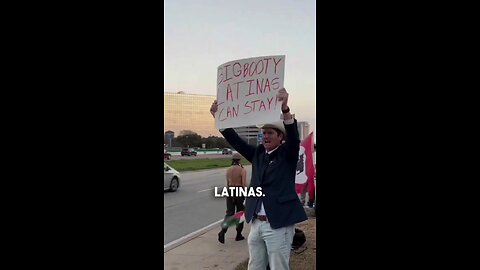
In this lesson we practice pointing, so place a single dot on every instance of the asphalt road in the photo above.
(193, 205)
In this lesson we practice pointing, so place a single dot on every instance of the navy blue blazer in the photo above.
(276, 177)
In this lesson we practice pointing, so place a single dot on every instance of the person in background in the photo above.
(236, 177)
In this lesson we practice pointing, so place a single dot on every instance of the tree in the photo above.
(215, 142)
(189, 139)
(220, 142)
(209, 142)
(187, 132)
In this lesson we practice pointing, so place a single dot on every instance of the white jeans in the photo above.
(267, 245)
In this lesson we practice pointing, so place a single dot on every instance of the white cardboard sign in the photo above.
(247, 90)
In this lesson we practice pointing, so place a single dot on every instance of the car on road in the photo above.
(188, 152)
(167, 156)
(227, 151)
(171, 178)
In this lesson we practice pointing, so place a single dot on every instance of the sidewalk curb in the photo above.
(184, 239)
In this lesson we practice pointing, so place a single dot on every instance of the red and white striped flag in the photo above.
(305, 168)
(234, 220)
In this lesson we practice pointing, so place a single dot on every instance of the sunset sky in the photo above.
(201, 35)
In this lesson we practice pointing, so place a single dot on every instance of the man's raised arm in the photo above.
(292, 141)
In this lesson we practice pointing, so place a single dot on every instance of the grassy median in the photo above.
(202, 164)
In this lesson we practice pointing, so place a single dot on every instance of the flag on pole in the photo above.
(305, 168)
(234, 220)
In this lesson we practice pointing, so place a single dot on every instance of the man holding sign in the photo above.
(274, 164)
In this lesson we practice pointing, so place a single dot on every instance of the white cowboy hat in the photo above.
(276, 125)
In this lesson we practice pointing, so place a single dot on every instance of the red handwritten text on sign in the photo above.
(246, 91)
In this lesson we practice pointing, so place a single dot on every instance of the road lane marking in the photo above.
(205, 190)
(189, 236)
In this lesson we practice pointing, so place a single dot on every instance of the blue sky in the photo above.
(200, 35)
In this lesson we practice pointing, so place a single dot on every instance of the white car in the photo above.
(171, 178)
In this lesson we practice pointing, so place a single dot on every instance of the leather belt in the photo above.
(261, 217)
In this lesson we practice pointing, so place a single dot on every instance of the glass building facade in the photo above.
(183, 111)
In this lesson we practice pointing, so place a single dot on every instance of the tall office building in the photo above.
(183, 111)
(303, 129)
(249, 133)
